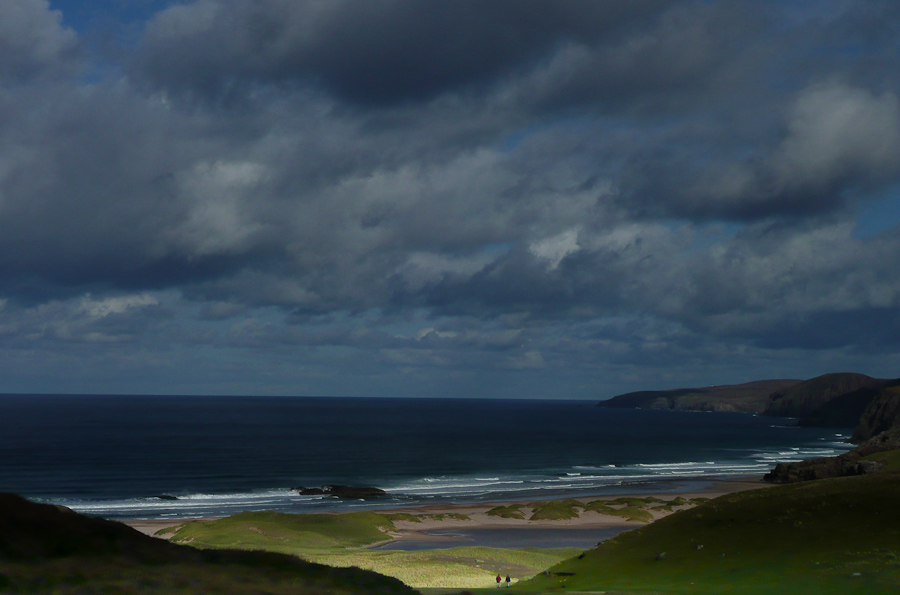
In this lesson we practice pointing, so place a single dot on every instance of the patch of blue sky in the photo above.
(516, 139)
(802, 12)
(84, 15)
(104, 27)
(879, 216)
(706, 235)
(496, 248)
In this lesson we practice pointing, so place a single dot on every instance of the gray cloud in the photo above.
(33, 41)
(837, 138)
(369, 52)
(836, 145)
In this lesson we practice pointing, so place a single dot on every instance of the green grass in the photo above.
(286, 533)
(455, 516)
(404, 516)
(600, 506)
(555, 510)
(635, 509)
(418, 518)
(632, 513)
(507, 512)
(640, 502)
(830, 537)
(339, 540)
(891, 459)
(460, 568)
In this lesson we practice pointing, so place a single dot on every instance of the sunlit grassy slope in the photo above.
(834, 536)
(340, 540)
(337, 540)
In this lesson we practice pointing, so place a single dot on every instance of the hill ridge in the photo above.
(839, 399)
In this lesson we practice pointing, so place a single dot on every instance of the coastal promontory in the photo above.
(837, 400)
(749, 397)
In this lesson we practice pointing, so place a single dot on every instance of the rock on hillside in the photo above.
(750, 397)
(805, 398)
(849, 463)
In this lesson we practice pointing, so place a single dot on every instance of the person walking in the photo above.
(498, 579)
(507, 580)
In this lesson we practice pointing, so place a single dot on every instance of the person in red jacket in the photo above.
(498, 580)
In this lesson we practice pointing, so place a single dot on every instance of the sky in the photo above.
(563, 199)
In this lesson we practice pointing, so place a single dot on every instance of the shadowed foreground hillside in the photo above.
(830, 536)
(45, 549)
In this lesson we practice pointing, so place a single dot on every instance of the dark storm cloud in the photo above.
(86, 196)
(372, 52)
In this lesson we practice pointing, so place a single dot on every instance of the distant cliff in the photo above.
(803, 399)
(840, 400)
(750, 397)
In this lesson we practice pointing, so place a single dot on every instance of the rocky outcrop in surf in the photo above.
(339, 491)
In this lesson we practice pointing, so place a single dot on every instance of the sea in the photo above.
(167, 457)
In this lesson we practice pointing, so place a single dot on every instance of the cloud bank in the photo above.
(515, 198)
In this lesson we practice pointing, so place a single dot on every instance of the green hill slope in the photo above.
(832, 536)
(805, 398)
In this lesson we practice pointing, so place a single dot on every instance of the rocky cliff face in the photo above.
(843, 411)
(881, 414)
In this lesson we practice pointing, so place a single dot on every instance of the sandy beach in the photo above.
(459, 518)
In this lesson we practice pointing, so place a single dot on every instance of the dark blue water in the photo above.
(114, 456)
